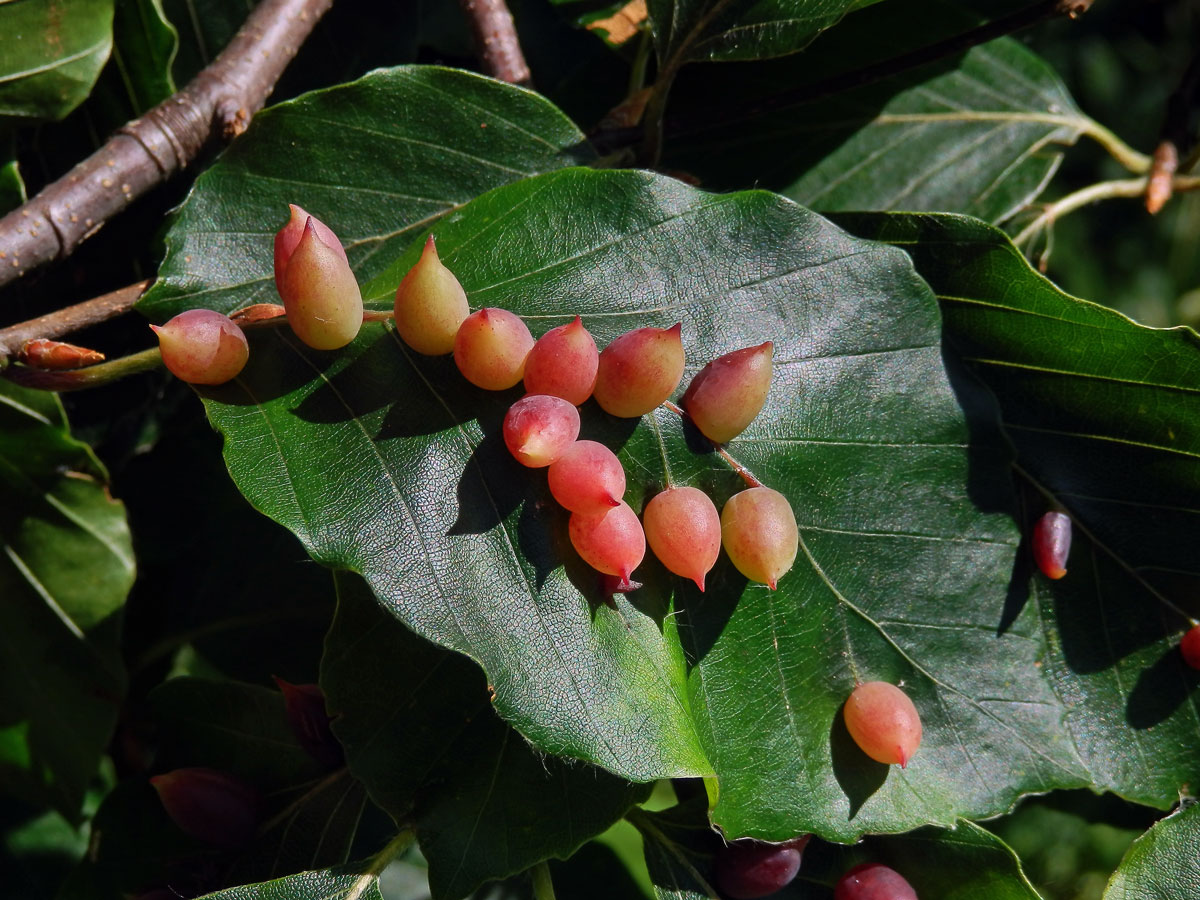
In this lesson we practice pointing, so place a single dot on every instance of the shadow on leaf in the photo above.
(858, 774)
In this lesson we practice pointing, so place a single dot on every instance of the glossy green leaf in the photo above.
(65, 569)
(961, 863)
(377, 160)
(419, 732)
(469, 551)
(52, 52)
(982, 138)
(1087, 396)
(1162, 864)
(12, 187)
(345, 883)
(740, 29)
(231, 726)
(144, 45)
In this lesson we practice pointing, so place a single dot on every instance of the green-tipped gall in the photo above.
(320, 293)
(758, 531)
(209, 805)
(729, 392)
(563, 363)
(202, 346)
(490, 348)
(639, 370)
(430, 305)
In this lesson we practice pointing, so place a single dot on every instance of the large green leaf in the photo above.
(979, 139)
(740, 29)
(419, 732)
(1162, 864)
(391, 466)
(1104, 418)
(52, 52)
(66, 567)
(359, 882)
(377, 160)
(962, 863)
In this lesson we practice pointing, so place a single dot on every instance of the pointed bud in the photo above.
(490, 348)
(430, 305)
(305, 705)
(563, 363)
(320, 293)
(209, 805)
(639, 370)
(729, 392)
(201, 346)
(288, 238)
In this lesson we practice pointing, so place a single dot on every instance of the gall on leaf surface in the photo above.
(389, 464)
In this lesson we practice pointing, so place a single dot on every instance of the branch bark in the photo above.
(496, 40)
(217, 104)
(71, 319)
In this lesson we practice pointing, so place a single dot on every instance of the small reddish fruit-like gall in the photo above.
(563, 362)
(639, 370)
(288, 237)
(729, 392)
(320, 293)
(1190, 647)
(490, 348)
(210, 805)
(430, 305)
(202, 346)
(611, 542)
(873, 881)
(684, 531)
(883, 722)
(587, 478)
(758, 531)
(1052, 543)
(747, 869)
(539, 428)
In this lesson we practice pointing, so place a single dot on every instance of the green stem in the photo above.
(543, 887)
(1103, 190)
(1135, 162)
(637, 74)
(93, 376)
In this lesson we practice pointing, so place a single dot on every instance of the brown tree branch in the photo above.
(71, 319)
(496, 40)
(217, 104)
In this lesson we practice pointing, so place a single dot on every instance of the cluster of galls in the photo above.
(637, 372)
(746, 870)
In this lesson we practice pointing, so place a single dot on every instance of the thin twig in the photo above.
(1103, 190)
(93, 376)
(496, 40)
(71, 319)
(142, 154)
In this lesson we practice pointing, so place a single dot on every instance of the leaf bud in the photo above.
(430, 305)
